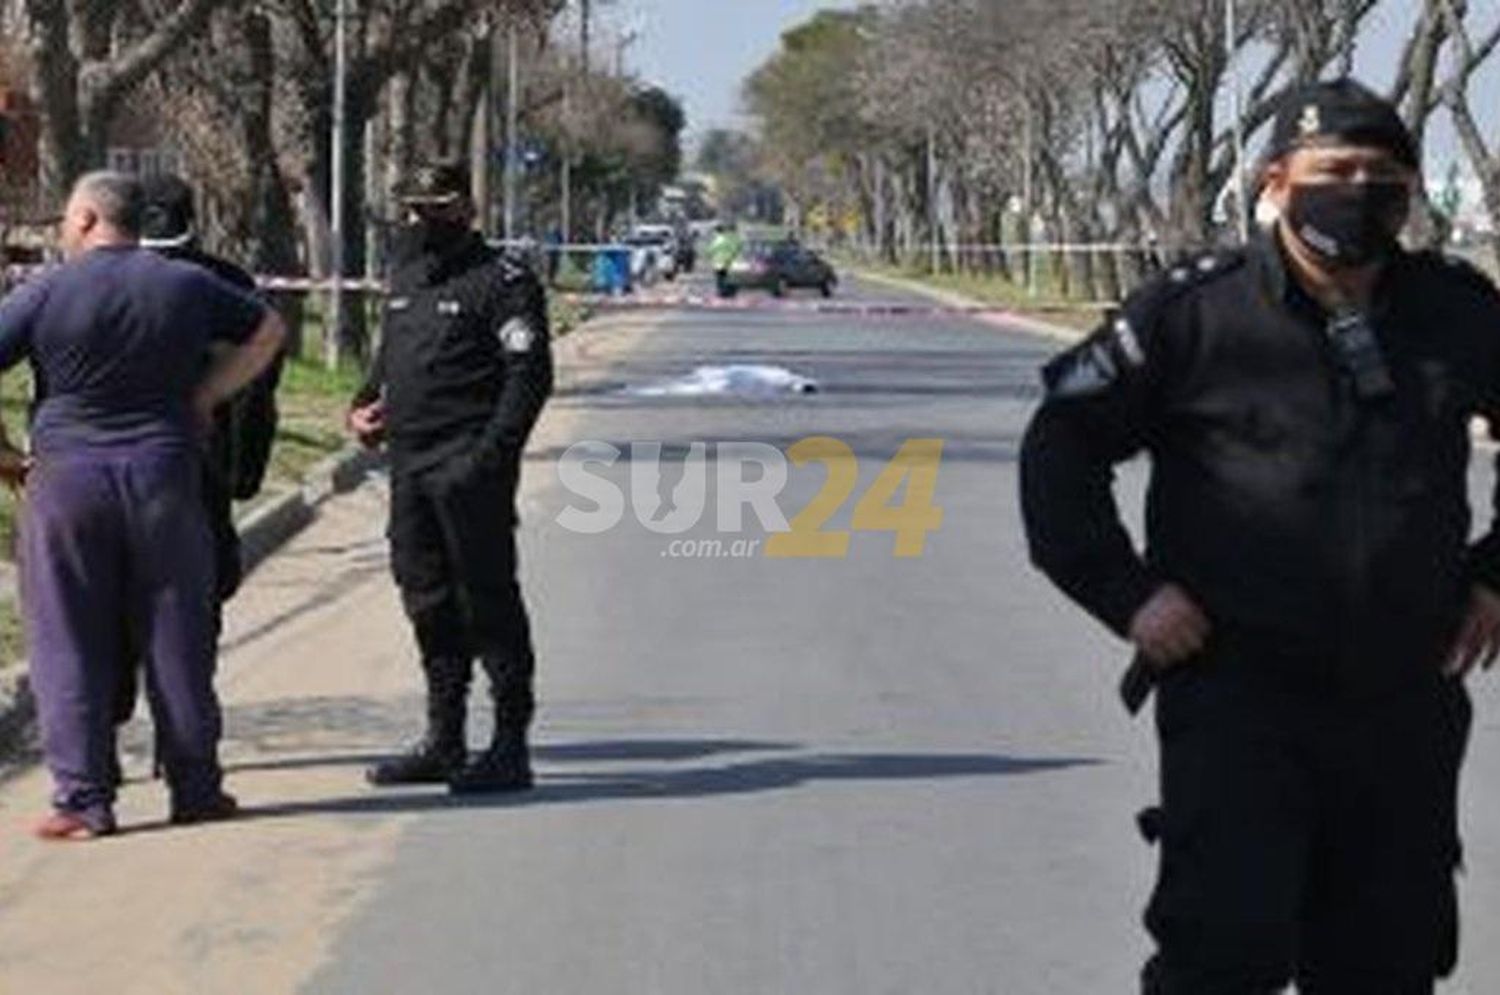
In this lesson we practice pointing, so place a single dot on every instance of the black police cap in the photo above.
(168, 214)
(435, 183)
(1343, 112)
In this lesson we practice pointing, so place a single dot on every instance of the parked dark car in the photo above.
(779, 267)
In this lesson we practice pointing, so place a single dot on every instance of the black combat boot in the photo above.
(506, 765)
(442, 751)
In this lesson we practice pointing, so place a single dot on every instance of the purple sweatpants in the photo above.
(116, 554)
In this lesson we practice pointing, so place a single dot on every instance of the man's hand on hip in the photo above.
(1479, 637)
(368, 424)
(1170, 629)
(15, 466)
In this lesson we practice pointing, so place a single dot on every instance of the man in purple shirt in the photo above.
(131, 354)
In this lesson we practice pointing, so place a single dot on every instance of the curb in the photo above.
(276, 522)
(17, 715)
(951, 298)
(262, 532)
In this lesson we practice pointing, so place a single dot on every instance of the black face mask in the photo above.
(426, 238)
(1349, 224)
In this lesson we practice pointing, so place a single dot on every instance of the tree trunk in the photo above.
(64, 156)
(273, 247)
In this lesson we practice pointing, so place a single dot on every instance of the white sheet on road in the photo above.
(746, 380)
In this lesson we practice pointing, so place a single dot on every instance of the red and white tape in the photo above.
(848, 308)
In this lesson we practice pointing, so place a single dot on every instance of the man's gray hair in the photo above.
(118, 198)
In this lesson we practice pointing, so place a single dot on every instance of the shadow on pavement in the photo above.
(342, 583)
(732, 780)
(660, 750)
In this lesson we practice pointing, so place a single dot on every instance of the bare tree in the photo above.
(88, 57)
(1468, 56)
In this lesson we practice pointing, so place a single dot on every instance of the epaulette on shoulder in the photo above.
(1190, 274)
(1457, 266)
(511, 265)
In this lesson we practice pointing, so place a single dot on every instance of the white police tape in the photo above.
(356, 285)
(743, 304)
(12, 275)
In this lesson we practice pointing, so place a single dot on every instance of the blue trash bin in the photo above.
(619, 259)
(602, 273)
(611, 272)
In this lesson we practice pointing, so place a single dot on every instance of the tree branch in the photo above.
(126, 71)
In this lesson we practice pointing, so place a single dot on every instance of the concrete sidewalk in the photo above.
(1006, 319)
(317, 678)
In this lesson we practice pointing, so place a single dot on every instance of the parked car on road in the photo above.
(779, 267)
(653, 252)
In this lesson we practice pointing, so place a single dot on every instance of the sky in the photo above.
(702, 50)
(1390, 25)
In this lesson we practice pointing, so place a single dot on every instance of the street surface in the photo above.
(815, 777)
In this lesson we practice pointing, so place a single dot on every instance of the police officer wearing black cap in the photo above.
(239, 448)
(1309, 602)
(463, 370)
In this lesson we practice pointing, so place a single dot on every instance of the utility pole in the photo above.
(583, 32)
(567, 158)
(932, 207)
(334, 328)
(484, 137)
(512, 139)
(1237, 110)
(1028, 192)
(566, 182)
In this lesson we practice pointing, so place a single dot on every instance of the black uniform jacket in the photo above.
(1292, 510)
(465, 362)
(245, 428)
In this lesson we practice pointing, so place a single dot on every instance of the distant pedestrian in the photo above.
(134, 353)
(722, 253)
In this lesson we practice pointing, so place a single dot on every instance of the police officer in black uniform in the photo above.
(463, 370)
(1309, 602)
(245, 429)
(239, 448)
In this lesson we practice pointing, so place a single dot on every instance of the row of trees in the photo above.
(243, 90)
(959, 122)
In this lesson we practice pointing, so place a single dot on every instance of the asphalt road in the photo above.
(833, 776)
(859, 775)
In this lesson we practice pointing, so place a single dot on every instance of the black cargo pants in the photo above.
(1307, 833)
(453, 554)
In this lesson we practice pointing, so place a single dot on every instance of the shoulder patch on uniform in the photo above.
(517, 335)
(511, 268)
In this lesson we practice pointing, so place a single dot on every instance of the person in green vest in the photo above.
(722, 252)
